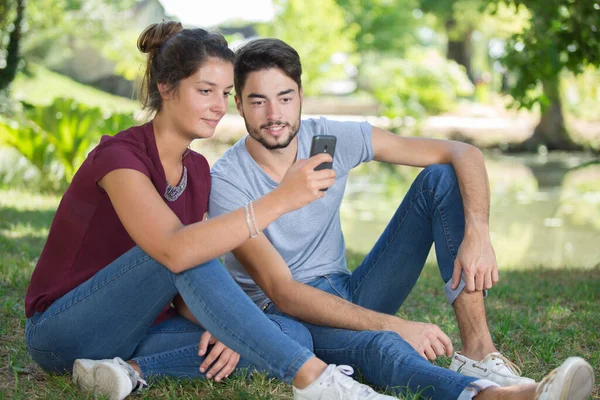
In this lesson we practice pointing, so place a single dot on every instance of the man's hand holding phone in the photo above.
(323, 144)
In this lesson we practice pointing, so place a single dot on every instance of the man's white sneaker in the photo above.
(494, 367)
(113, 378)
(335, 383)
(573, 380)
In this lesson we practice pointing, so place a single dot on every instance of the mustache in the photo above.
(273, 123)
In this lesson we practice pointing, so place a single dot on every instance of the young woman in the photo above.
(129, 236)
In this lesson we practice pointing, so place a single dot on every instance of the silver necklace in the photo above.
(172, 193)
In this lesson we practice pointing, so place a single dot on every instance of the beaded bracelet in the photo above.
(256, 230)
(252, 234)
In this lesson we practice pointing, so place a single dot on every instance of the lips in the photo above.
(211, 122)
(275, 129)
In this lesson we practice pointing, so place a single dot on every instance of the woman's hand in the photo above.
(301, 184)
(222, 358)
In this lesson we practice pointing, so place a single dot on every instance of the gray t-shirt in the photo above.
(310, 239)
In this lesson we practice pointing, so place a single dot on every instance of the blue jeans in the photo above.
(111, 315)
(431, 212)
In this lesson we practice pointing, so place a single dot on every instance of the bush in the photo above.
(421, 83)
(55, 139)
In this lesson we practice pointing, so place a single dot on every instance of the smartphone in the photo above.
(323, 144)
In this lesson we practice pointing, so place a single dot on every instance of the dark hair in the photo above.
(260, 54)
(175, 53)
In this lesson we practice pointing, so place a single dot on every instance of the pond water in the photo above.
(545, 210)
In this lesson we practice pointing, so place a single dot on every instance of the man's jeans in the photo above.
(111, 315)
(431, 212)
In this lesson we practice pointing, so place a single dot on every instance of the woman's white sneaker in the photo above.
(573, 380)
(335, 383)
(494, 367)
(113, 378)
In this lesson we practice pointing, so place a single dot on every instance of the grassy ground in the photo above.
(538, 317)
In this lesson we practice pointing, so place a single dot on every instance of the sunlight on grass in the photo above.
(537, 317)
(43, 86)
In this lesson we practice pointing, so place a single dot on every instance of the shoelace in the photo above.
(545, 383)
(343, 379)
(509, 364)
(138, 383)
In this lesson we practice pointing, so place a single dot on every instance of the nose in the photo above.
(219, 106)
(273, 111)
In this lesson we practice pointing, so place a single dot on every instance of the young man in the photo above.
(297, 267)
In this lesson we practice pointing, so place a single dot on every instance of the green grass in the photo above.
(537, 317)
(41, 86)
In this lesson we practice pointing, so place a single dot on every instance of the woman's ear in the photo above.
(164, 90)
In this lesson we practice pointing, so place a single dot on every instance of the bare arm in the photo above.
(476, 255)
(159, 232)
(270, 271)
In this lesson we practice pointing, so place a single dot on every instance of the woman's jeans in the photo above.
(111, 315)
(431, 212)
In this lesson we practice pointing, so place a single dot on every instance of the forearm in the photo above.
(469, 166)
(321, 308)
(198, 243)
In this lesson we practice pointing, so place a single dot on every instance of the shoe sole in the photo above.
(579, 380)
(100, 379)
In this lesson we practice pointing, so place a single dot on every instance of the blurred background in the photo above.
(518, 78)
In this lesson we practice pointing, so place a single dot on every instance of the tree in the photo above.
(459, 19)
(562, 35)
(8, 68)
(54, 27)
(318, 31)
(384, 26)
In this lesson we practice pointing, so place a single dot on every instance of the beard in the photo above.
(256, 133)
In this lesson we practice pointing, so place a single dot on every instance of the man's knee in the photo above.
(440, 178)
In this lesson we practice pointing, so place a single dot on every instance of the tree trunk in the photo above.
(551, 131)
(460, 49)
(12, 58)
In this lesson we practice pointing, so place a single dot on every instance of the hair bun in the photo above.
(155, 35)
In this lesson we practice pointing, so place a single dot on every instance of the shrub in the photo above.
(56, 138)
(421, 83)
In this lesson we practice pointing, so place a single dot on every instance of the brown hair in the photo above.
(260, 54)
(175, 53)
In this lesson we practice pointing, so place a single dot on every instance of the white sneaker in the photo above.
(494, 367)
(335, 383)
(114, 378)
(573, 380)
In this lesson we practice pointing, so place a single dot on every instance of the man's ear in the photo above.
(301, 91)
(238, 105)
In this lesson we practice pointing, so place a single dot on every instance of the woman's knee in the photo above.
(295, 330)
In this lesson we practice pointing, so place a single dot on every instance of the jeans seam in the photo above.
(98, 287)
(440, 210)
(396, 227)
(328, 278)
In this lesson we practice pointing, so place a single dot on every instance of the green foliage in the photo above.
(40, 86)
(317, 30)
(385, 26)
(31, 142)
(421, 83)
(562, 35)
(56, 138)
(53, 28)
